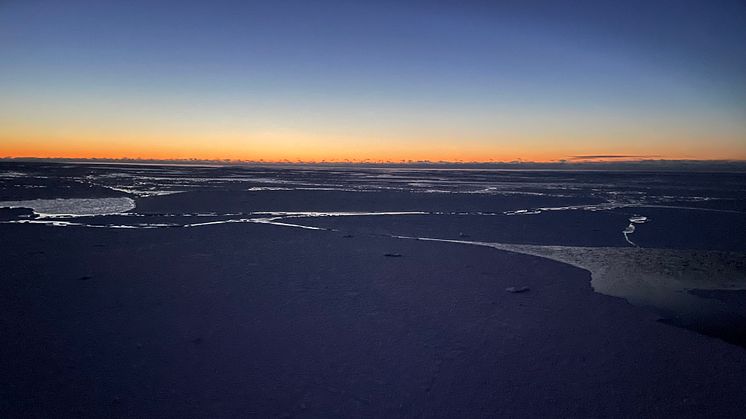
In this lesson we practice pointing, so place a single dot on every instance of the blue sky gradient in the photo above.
(478, 80)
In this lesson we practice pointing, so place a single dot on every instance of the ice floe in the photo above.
(73, 207)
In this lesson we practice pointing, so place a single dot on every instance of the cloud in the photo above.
(612, 156)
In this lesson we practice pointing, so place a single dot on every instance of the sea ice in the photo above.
(73, 207)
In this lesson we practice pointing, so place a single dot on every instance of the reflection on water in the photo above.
(660, 279)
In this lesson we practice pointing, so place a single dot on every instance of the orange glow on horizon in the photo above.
(311, 154)
(155, 154)
(308, 146)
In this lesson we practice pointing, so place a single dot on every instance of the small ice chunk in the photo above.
(638, 219)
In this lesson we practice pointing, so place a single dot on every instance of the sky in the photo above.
(373, 80)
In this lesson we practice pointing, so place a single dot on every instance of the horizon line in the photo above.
(609, 162)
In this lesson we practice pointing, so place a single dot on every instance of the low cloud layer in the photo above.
(612, 156)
